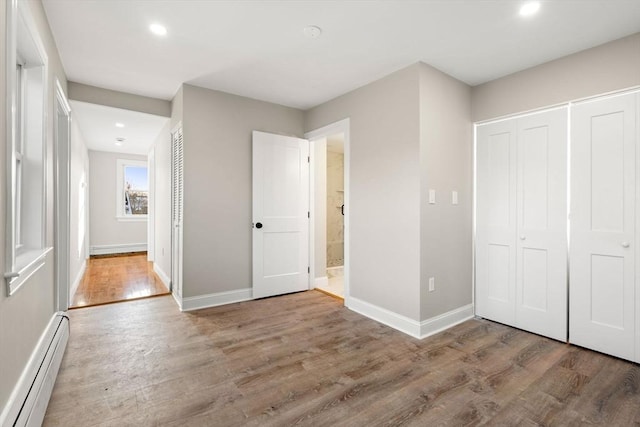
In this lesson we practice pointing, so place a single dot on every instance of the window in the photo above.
(133, 190)
(26, 160)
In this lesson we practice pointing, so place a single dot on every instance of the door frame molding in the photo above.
(62, 177)
(342, 126)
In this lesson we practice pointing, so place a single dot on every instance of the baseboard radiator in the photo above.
(30, 400)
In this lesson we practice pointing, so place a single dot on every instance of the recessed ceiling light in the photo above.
(119, 125)
(119, 141)
(312, 31)
(529, 8)
(158, 30)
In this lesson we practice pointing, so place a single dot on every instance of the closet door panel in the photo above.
(603, 190)
(541, 279)
(496, 222)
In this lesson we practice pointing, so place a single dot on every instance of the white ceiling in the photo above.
(257, 48)
(98, 126)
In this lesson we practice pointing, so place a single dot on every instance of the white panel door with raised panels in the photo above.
(521, 222)
(496, 221)
(541, 265)
(280, 214)
(603, 194)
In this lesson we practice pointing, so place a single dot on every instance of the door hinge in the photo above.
(308, 159)
(308, 214)
(308, 270)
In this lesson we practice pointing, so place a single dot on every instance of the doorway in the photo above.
(330, 209)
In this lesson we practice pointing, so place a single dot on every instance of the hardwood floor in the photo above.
(304, 359)
(117, 278)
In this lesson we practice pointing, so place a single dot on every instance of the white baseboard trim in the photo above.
(445, 321)
(178, 299)
(77, 280)
(34, 386)
(409, 326)
(162, 275)
(321, 282)
(387, 317)
(213, 300)
(118, 249)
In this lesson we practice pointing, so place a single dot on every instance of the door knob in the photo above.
(625, 244)
(258, 225)
(523, 237)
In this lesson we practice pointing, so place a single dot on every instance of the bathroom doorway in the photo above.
(329, 213)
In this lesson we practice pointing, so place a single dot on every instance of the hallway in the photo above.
(117, 278)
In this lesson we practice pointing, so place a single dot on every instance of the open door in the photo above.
(280, 214)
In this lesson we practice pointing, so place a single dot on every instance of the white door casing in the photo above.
(603, 194)
(521, 222)
(280, 214)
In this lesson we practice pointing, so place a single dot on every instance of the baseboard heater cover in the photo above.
(35, 390)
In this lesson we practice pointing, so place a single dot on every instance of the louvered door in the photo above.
(177, 198)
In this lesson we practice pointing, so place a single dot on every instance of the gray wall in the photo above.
(446, 156)
(105, 228)
(162, 201)
(25, 315)
(384, 188)
(112, 98)
(609, 67)
(217, 131)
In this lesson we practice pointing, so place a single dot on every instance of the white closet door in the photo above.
(496, 221)
(603, 225)
(541, 279)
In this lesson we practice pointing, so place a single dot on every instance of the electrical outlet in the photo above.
(432, 284)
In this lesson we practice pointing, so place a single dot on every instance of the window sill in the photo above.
(136, 218)
(27, 263)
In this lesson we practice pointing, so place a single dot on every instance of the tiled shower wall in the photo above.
(335, 199)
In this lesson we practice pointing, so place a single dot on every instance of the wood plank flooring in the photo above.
(304, 359)
(117, 278)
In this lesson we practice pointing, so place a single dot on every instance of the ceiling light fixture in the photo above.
(529, 8)
(312, 32)
(119, 125)
(158, 30)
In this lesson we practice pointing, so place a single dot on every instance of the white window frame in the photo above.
(121, 164)
(26, 120)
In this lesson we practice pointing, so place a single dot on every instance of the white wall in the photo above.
(25, 315)
(385, 188)
(79, 206)
(162, 204)
(217, 231)
(609, 67)
(106, 229)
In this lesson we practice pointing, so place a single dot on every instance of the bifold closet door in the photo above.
(603, 225)
(521, 223)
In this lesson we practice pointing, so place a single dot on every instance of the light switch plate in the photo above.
(432, 197)
(454, 197)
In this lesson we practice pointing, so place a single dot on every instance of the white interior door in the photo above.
(280, 214)
(177, 203)
(541, 278)
(521, 222)
(496, 221)
(603, 191)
